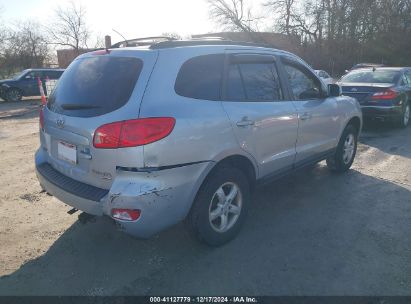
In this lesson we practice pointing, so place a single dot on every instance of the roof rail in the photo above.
(195, 42)
(141, 41)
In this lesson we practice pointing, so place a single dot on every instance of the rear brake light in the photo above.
(387, 94)
(108, 136)
(126, 214)
(41, 118)
(132, 133)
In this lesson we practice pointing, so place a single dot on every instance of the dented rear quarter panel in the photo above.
(164, 197)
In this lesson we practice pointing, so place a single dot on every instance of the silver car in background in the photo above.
(325, 77)
(185, 130)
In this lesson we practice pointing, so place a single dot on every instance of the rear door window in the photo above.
(94, 86)
(200, 77)
(253, 81)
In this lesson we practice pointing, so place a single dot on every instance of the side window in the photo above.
(404, 80)
(35, 74)
(303, 84)
(253, 82)
(48, 74)
(235, 86)
(53, 74)
(200, 77)
(408, 76)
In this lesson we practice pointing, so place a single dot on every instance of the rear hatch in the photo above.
(363, 91)
(96, 89)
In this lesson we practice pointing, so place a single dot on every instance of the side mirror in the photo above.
(334, 90)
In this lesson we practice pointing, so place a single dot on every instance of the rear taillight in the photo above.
(125, 214)
(132, 133)
(387, 94)
(41, 118)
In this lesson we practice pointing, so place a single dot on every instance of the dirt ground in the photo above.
(313, 233)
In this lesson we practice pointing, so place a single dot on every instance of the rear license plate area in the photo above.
(67, 152)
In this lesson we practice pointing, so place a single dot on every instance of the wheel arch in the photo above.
(242, 163)
(356, 122)
(239, 161)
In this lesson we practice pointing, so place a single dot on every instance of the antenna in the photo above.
(125, 40)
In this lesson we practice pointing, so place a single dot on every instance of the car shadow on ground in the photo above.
(313, 233)
(387, 138)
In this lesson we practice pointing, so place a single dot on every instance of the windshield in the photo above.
(19, 74)
(369, 76)
(94, 86)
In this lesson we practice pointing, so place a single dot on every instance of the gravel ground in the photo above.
(312, 233)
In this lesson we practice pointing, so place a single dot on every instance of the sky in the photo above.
(138, 18)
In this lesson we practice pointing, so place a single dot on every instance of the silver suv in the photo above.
(185, 130)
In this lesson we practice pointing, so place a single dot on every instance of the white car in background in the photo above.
(325, 77)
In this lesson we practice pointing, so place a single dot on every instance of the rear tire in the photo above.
(404, 118)
(221, 206)
(344, 156)
(14, 95)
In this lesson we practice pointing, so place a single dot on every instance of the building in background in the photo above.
(66, 56)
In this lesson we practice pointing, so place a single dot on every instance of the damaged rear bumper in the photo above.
(164, 196)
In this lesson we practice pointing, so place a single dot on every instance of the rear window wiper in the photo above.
(77, 106)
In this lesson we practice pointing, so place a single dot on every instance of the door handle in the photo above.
(305, 116)
(245, 123)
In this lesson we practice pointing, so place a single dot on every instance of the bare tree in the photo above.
(233, 14)
(24, 47)
(3, 32)
(70, 28)
(284, 11)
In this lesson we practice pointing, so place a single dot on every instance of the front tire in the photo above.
(344, 156)
(220, 207)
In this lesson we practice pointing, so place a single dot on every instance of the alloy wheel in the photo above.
(406, 115)
(349, 148)
(225, 207)
(14, 95)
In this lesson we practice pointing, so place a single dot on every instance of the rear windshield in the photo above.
(94, 86)
(378, 76)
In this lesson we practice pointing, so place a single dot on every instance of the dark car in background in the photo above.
(383, 93)
(26, 83)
